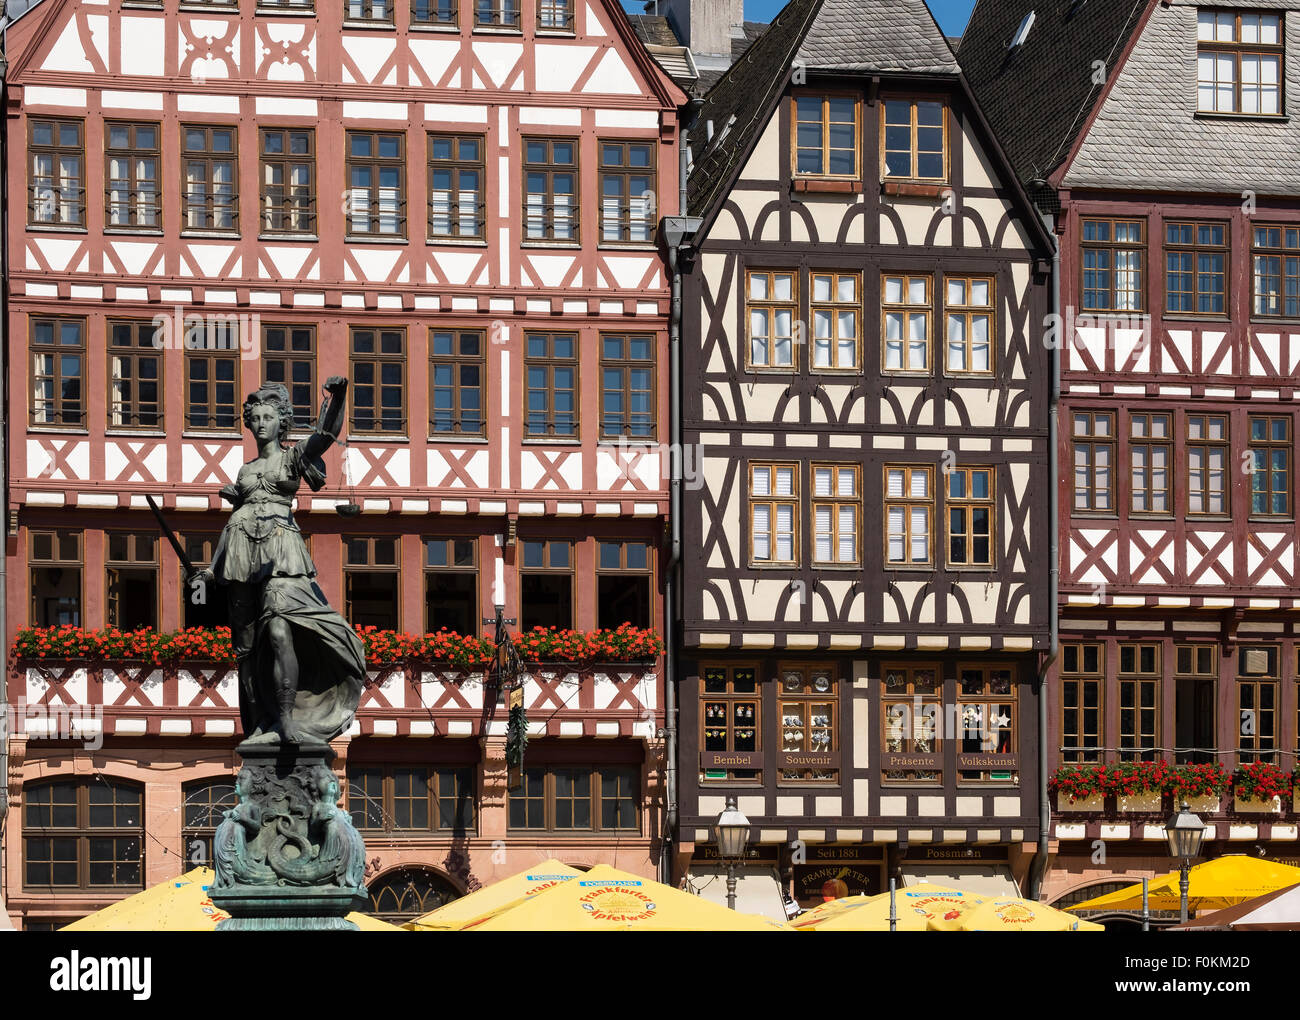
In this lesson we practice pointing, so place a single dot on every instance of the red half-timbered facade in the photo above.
(454, 206)
(1180, 347)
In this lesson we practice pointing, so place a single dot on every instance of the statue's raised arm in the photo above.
(333, 412)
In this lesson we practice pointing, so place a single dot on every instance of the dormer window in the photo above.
(1239, 62)
(826, 136)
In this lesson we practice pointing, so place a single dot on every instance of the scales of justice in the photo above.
(287, 857)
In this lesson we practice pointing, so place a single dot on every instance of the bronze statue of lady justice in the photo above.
(301, 665)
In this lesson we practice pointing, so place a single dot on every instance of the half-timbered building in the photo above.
(1159, 140)
(865, 598)
(454, 206)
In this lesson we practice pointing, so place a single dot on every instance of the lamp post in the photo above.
(1184, 832)
(731, 832)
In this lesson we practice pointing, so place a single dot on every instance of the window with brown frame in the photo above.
(54, 571)
(550, 176)
(546, 584)
(209, 154)
(1114, 264)
(809, 705)
(376, 174)
(836, 305)
(370, 577)
(451, 585)
(627, 386)
(457, 369)
(435, 12)
(1094, 456)
(555, 15)
(909, 516)
(412, 798)
(972, 517)
(57, 185)
(911, 706)
(1139, 702)
(986, 705)
(1270, 475)
(1082, 684)
(457, 187)
(288, 180)
(1196, 680)
(730, 721)
(826, 136)
(914, 140)
(58, 371)
(131, 580)
(1196, 268)
(204, 804)
(624, 584)
(906, 312)
(378, 390)
(969, 311)
(771, 308)
(1239, 58)
(287, 5)
(380, 11)
(1276, 255)
(131, 185)
(627, 192)
(1207, 464)
(202, 604)
(135, 391)
(1258, 689)
(773, 515)
(289, 357)
(83, 833)
(837, 514)
(496, 14)
(582, 798)
(551, 385)
(212, 369)
(1151, 452)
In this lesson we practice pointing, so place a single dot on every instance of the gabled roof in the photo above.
(844, 36)
(1039, 98)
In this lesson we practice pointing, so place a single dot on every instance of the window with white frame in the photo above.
(905, 306)
(909, 515)
(836, 510)
(773, 514)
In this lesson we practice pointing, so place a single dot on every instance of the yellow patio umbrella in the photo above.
(1011, 913)
(481, 904)
(1213, 885)
(179, 905)
(915, 905)
(607, 899)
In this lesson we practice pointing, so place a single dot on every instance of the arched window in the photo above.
(408, 893)
(206, 800)
(83, 834)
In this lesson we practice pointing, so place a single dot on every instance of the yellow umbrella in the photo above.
(916, 905)
(481, 904)
(1010, 913)
(1214, 885)
(606, 899)
(179, 905)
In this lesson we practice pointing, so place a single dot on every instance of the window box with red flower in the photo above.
(1258, 788)
(1080, 788)
(1139, 786)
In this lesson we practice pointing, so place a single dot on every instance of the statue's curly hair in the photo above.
(276, 395)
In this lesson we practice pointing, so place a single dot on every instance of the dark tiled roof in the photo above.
(1038, 98)
(654, 30)
(822, 35)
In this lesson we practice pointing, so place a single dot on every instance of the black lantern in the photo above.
(1184, 832)
(731, 833)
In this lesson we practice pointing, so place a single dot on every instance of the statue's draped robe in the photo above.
(262, 547)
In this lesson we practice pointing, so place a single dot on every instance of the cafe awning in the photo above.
(981, 879)
(758, 888)
(481, 904)
(606, 899)
(1213, 885)
(181, 904)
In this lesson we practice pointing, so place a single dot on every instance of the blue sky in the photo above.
(952, 14)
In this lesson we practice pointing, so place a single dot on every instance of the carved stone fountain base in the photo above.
(287, 857)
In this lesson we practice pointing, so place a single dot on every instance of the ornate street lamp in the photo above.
(731, 833)
(1184, 832)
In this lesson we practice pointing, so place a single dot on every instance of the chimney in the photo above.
(706, 26)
